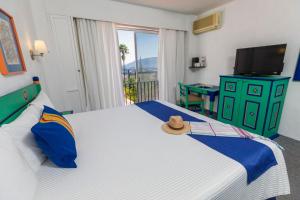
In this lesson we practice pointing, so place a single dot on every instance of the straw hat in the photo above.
(176, 126)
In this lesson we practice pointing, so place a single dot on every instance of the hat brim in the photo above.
(186, 128)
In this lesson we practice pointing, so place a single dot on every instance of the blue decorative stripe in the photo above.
(256, 157)
(297, 72)
(164, 112)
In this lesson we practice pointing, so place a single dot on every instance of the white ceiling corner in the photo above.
(192, 7)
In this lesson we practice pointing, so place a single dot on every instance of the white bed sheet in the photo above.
(124, 155)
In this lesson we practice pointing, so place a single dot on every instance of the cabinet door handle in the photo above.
(255, 90)
(252, 113)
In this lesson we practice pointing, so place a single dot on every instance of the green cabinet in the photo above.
(252, 103)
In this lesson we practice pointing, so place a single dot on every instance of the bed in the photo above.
(124, 154)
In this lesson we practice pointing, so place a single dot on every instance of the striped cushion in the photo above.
(55, 136)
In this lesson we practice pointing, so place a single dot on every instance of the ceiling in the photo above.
(182, 6)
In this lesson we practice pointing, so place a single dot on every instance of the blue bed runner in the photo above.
(256, 157)
(164, 112)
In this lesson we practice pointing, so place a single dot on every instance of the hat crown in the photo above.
(176, 122)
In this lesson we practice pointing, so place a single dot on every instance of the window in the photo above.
(139, 52)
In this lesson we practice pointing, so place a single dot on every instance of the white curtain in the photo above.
(101, 64)
(171, 63)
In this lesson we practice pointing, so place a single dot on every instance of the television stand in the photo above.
(253, 103)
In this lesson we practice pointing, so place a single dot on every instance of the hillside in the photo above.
(145, 65)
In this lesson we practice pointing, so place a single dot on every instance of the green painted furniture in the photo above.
(14, 103)
(68, 112)
(189, 97)
(252, 103)
(207, 90)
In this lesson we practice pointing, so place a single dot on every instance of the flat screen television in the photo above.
(265, 60)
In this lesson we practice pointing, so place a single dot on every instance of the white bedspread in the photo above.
(124, 155)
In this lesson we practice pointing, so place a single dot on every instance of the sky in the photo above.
(147, 44)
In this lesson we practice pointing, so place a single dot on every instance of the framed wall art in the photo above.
(11, 57)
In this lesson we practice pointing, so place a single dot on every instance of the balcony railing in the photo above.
(140, 91)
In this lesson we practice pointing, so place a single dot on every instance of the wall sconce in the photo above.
(39, 49)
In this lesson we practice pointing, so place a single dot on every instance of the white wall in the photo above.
(249, 23)
(108, 10)
(20, 10)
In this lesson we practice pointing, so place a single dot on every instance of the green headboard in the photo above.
(14, 103)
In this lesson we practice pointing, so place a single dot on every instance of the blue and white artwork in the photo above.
(297, 72)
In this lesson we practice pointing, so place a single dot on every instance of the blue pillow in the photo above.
(55, 136)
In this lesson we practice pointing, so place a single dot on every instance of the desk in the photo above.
(209, 90)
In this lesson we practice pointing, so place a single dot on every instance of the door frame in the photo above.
(76, 59)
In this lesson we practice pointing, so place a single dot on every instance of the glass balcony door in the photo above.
(139, 52)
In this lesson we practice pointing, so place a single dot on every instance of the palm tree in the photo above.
(123, 50)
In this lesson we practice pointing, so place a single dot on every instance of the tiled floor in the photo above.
(292, 158)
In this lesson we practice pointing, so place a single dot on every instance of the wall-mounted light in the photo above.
(39, 49)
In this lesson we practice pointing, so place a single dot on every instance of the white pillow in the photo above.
(17, 182)
(20, 131)
(41, 100)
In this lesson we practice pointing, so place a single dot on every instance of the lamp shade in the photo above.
(40, 47)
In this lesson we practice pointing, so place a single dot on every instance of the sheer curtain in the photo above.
(171, 63)
(101, 64)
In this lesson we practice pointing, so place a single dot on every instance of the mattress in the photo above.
(124, 155)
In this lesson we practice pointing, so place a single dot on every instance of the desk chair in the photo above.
(189, 97)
